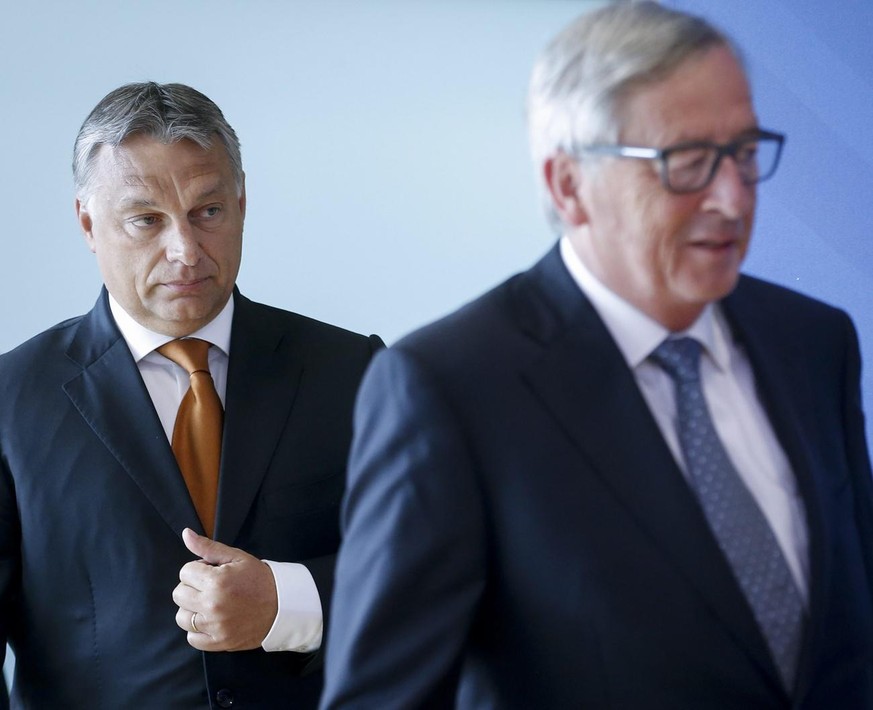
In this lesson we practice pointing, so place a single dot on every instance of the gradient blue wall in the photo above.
(384, 141)
(811, 65)
(385, 147)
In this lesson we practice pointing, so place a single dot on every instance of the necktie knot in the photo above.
(191, 354)
(680, 358)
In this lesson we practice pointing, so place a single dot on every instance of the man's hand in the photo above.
(232, 593)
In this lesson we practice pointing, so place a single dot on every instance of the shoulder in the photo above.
(508, 325)
(768, 317)
(782, 308)
(481, 346)
(44, 355)
(469, 334)
(305, 332)
(766, 293)
(46, 345)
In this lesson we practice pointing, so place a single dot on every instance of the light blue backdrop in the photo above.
(811, 65)
(384, 144)
(384, 141)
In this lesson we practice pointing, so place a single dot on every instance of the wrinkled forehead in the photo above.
(143, 164)
(139, 143)
(705, 97)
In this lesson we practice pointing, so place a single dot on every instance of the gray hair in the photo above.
(167, 112)
(581, 79)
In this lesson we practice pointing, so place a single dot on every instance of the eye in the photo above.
(144, 221)
(746, 153)
(690, 160)
(210, 212)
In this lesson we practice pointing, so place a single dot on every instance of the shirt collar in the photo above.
(635, 333)
(142, 341)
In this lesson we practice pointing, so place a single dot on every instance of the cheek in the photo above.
(227, 254)
(651, 225)
(142, 268)
(673, 221)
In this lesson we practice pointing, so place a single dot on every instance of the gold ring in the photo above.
(193, 625)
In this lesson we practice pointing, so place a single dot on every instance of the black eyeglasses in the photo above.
(689, 167)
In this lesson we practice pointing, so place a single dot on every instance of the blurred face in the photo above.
(165, 222)
(668, 254)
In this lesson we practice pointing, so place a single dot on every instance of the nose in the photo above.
(728, 194)
(182, 244)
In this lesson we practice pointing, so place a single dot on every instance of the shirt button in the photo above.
(224, 698)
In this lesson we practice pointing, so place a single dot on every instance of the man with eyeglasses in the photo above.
(629, 477)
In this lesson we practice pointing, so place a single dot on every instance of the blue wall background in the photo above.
(811, 66)
(385, 146)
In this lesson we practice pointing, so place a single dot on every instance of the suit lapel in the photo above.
(110, 395)
(262, 380)
(583, 380)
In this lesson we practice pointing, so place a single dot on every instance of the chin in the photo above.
(180, 324)
(716, 292)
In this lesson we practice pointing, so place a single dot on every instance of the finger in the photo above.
(203, 642)
(192, 621)
(196, 574)
(186, 597)
(210, 551)
(183, 619)
(194, 628)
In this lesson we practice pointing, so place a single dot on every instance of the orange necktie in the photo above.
(197, 433)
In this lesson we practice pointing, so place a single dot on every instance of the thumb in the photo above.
(215, 553)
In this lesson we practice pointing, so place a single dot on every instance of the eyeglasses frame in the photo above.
(662, 154)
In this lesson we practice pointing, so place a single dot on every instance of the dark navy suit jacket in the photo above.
(92, 506)
(519, 535)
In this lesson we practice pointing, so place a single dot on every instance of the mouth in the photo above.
(718, 235)
(183, 286)
(715, 245)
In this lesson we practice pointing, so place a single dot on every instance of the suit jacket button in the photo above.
(224, 698)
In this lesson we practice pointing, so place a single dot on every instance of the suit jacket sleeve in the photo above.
(322, 570)
(286, 632)
(9, 565)
(856, 446)
(412, 564)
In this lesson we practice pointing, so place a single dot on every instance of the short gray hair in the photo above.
(166, 112)
(580, 80)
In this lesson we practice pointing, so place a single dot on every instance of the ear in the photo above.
(242, 198)
(564, 176)
(86, 225)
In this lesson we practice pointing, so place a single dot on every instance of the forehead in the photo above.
(707, 97)
(145, 162)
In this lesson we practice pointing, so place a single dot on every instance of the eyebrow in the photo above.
(136, 202)
(147, 203)
(211, 192)
(747, 132)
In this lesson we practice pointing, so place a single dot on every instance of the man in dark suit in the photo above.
(96, 573)
(629, 477)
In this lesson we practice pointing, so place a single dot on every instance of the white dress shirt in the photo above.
(298, 625)
(729, 386)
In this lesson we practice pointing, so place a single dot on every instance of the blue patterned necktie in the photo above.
(739, 526)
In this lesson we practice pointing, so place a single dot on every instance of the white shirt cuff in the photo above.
(299, 622)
